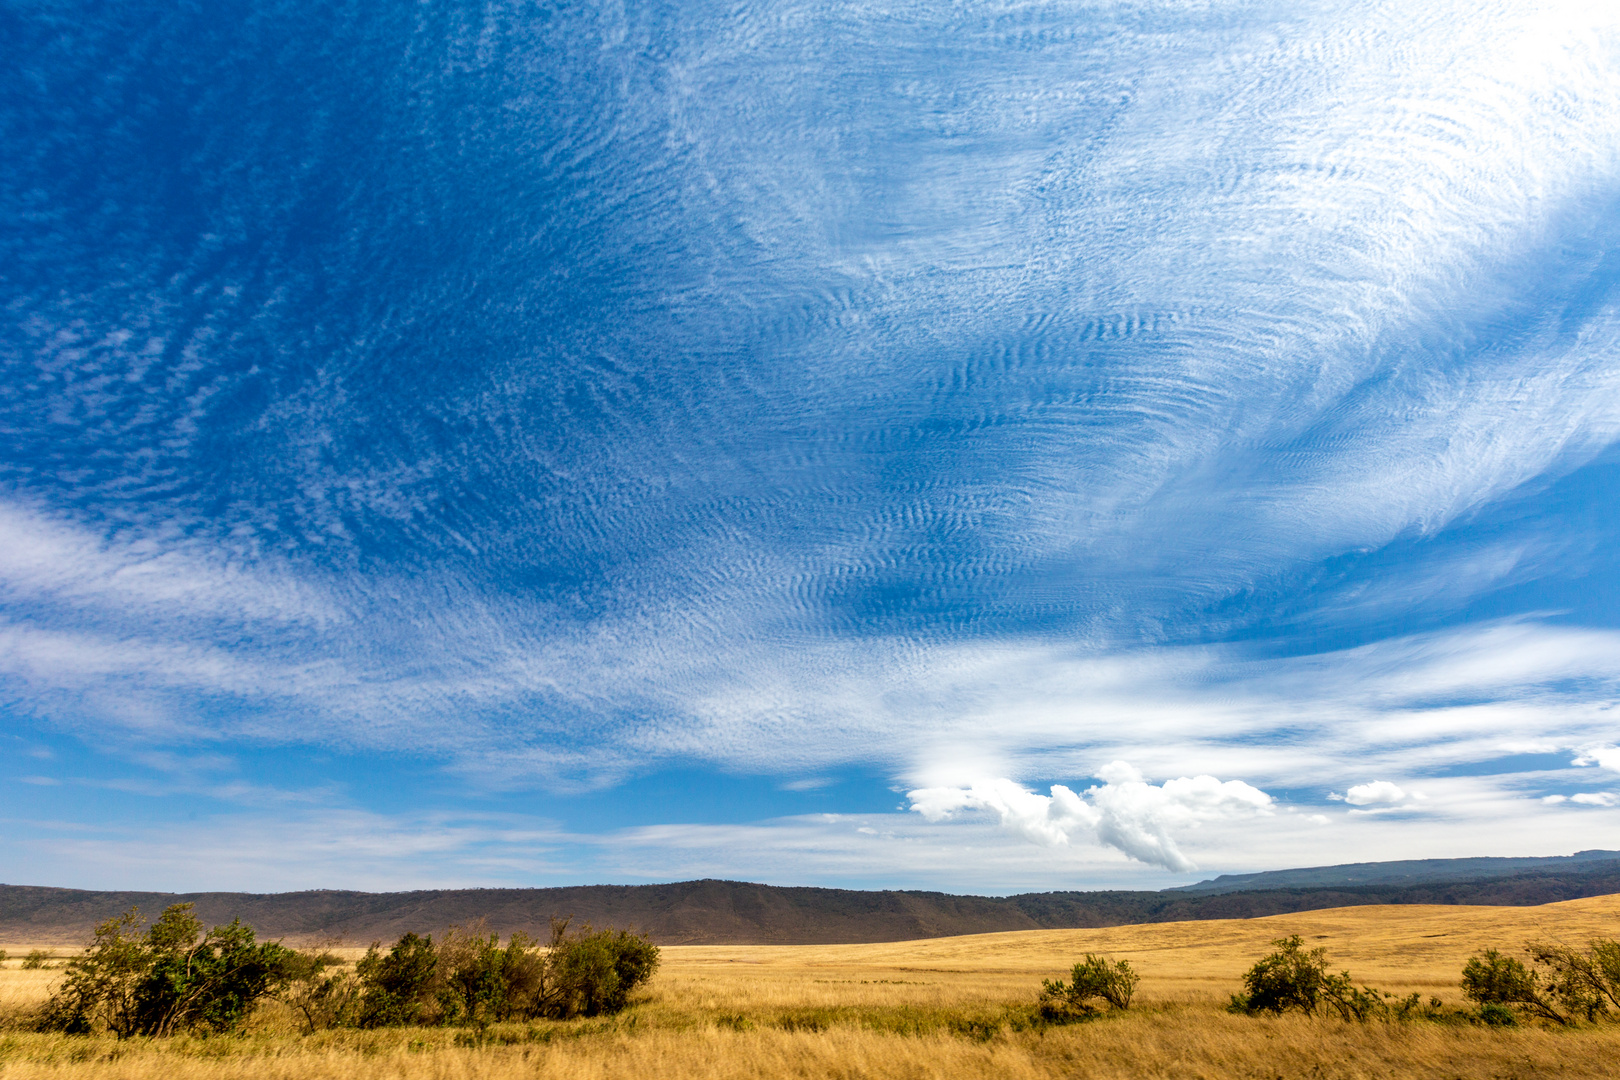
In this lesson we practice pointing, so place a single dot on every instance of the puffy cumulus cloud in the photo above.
(1041, 819)
(1124, 811)
(1376, 793)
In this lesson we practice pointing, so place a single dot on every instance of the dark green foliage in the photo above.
(483, 982)
(594, 972)
(1494, 979)
(173, 978)
(397, 988)
(320, 991)
(212, 983)
(1290, 978)
(1584, 982)
(99, 990)
(35, 960)
(1494, 1015)
(1094, 978)
(469, 978)
(1499, 982)
(1296, 979)
(170, 979)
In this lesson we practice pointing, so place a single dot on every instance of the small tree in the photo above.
(1092, 979)
(35, 960)
(204, 980)
(171, 978)
(1290, 978)
(100, 988)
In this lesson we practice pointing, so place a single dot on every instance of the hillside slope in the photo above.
(730, 912)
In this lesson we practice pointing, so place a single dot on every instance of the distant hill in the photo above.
(1407, 872)
(733, 912)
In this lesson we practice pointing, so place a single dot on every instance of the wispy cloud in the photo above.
(975, 397)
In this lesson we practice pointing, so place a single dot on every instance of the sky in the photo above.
(985, 447)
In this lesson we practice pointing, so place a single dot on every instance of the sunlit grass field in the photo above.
(948, 1007)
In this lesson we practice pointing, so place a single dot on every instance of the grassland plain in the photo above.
(945, 1007)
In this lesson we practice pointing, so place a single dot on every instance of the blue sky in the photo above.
(982, 446)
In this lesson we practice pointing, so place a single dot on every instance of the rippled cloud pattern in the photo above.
(1210, 407)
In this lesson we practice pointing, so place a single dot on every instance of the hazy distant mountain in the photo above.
(731, 912)
(1406, 872)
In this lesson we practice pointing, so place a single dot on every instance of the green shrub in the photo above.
(1497, 982)
(35, 960)
(1092, 979)
(170, 979)
(320, 991)
(1289, 979)
(397, 988)
(593, 971)
(481, 982)
(1494, 979)
(1584, 982)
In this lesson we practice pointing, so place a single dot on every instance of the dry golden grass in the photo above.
(942, 1008)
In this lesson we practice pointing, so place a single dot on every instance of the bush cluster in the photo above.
(1566, 985)
(468, 977)
(35, 960)
(1093, 979)
(173, 978)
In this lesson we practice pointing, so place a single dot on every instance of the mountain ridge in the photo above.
(711, 911)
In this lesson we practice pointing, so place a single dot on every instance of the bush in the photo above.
(397, 989)
(1584, 982)
(1290, 978)
(319, 990)
(35, 960)
(1494, 979)
(170, 979)
(594, 972)
(1497, 982)
(1094, 978)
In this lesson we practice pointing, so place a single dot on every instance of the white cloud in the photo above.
(1377, 793)
(1124, 812)
(52, 558)
(1595, 798)
(1604, 757)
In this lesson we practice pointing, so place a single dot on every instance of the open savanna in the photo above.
(945, 1007)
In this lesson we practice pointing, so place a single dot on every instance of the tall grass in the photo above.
(959, 1007)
